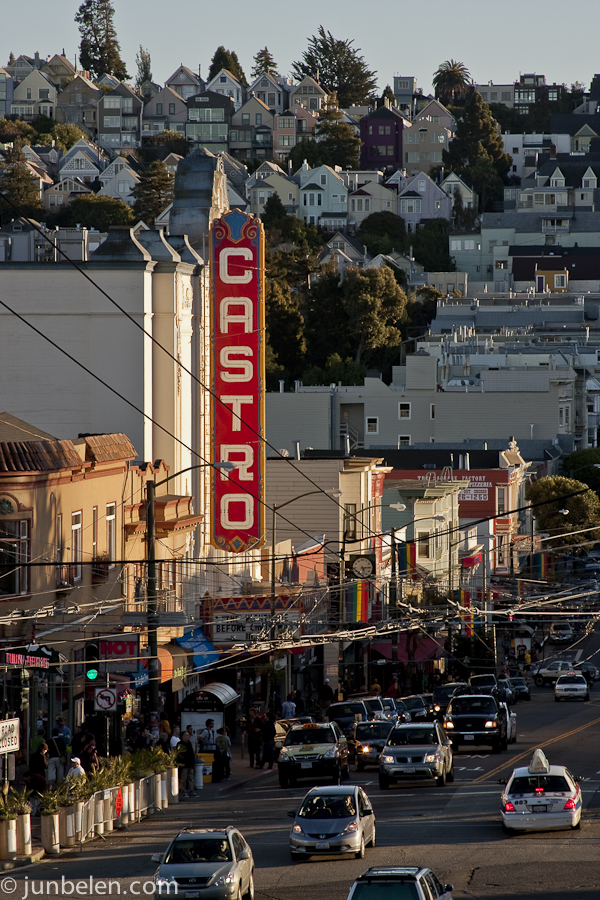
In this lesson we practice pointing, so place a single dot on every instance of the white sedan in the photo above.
(571, 686)
(541, 797)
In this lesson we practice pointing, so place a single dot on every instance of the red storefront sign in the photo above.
(238, 382)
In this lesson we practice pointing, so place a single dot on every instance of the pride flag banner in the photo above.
(407, 559)
(540, 565)
(357, 601)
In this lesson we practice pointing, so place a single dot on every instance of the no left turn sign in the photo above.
(105, 699)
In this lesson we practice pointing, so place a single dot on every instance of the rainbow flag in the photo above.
(540, 565)
(357, 601)
(407, 559)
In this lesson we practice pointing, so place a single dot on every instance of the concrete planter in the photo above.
(164, 794)
(99, 813)
(8, 839)
(66, 819)
(157, 791)
(50, 834)
(24, 835)
(109, 811)
(78, 820)
(173, 784)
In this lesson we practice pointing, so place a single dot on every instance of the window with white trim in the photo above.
(501, 500)
(111, 531)
(76, 544)
(423, 551)
(95, 532)
(404, 410)
(404, 440)
(14, 554)
(372, 425)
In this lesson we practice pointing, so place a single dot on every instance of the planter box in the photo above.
(8, 839)
(51, 834)
(24, 835)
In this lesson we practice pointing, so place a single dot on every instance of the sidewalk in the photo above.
(241, 773)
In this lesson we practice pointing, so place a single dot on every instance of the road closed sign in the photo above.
(105, 699)
(9, 735)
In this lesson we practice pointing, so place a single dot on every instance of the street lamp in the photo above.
(151, 602)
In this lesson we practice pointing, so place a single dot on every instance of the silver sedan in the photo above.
(331, 821)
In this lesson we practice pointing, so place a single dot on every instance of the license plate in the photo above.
(469, 737)
(539, 809)
(408, 769)
(192, 895)
(322, 845)
(306, 765)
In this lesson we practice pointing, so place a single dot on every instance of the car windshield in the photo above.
(572, 679)
(328, 806)
(532, 784)
(561, 626)
(303, 736)
(483, 680)
(444, 691)
(345, 710)
(370, 731)
(388, 703)
(480, 705)
(374, 705)
(400, 737)
(385, 890)
(519, 682)
(414, 702)
(195, 850)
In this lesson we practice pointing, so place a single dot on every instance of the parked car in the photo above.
(368, 741)
(209, 862)
(401, 882)
(416, 752)
(331, 821)
(476, 719)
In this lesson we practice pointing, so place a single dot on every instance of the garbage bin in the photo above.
(199, 773)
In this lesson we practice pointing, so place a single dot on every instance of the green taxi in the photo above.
(313, 750)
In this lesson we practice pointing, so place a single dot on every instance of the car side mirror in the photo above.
(368, 811)
(447, 743)
(448, 887)
(156, 857)
(343, 740)
(243, 854)
(291, 813)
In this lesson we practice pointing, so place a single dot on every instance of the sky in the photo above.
(495, 40)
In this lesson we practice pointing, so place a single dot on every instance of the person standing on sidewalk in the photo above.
(57, 759)
(254, 732)
(185, 763)
(288, 708)
(268, 736)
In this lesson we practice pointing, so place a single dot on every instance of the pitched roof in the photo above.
(14, 429)
(38, 456)
(106, 447)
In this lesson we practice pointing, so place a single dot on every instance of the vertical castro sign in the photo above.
(238, 381)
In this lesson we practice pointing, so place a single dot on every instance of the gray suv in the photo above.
(207, 863)
(416, 752)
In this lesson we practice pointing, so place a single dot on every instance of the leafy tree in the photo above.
(99, 50)
(160, 145)
(17, 183)
(583, 510)
(226, 59)
(144, 67)
(375, 305)
(337, 66)
(264, 64)
(388, 94)
(477, 134)
(15, 131)
(430, 246)
(335, 370)
(307, 149)
(383, 232)
(421, 308)
(94, 211)
(451, 81)
(485, 178)
(327, 320)
(285, 331)
(338, 141)
(154, 191)
(11, 58)
(583, 463)
(66, 134)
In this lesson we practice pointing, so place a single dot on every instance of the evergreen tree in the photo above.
(264, 64)
(226, 59)
(154, 191)
(430, 246)
(375, 303)
(99, 50)
(93, 211)
(144, 67)
(336, 370)
(388, 94)
(11, 58)
(338, 142)
(478, 137)
(337, 66)
(452, 81)
(308, 149)
(17, 183)
(274, 214)
(285, 330)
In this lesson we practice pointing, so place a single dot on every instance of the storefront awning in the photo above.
(173, 663)
(203, 650)
(222, 692)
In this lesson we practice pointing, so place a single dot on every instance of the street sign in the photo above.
(105, 699)
(9, 735)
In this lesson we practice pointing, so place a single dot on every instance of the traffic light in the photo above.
(92, 656)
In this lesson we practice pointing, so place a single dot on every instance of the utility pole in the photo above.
(394, 600)
(152, 604)
(341, 579)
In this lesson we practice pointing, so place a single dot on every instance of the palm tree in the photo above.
(452, 78)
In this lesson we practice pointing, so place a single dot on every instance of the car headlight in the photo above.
(431, 757)
(297, 829)
(490, 724)
(388, 759)
(366, 749)
(359, 748)
(436, 708)
(350, 827)
(448, 724)
(224, 879)
(161, 881)
(329, 753)
(284, 751)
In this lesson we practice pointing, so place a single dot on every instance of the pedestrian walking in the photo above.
(288, 708)
(254, 732)
(185, 763)
(268, 736)
(57, 759)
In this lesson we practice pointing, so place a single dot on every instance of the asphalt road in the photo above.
(455, 830)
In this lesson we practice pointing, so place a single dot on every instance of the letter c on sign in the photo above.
(248, 519)
(224, 257)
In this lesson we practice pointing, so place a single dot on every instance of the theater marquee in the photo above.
(238, 381)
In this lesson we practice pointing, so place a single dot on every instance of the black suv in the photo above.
(442, 695)
(476, 719)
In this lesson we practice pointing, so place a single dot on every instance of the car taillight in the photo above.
(508, 807)
(570, 804)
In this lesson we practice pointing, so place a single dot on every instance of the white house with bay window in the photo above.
(119, 181)
(323, 199)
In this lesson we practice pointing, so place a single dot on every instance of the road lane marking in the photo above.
(526, 753)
